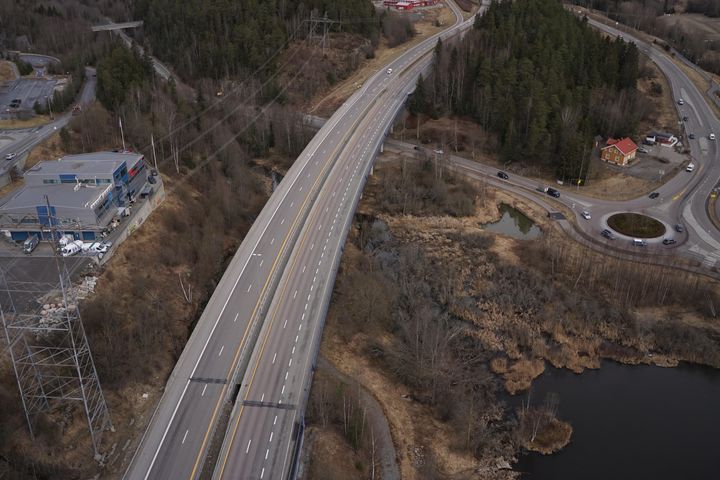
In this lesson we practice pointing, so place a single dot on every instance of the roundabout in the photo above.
(636, 225)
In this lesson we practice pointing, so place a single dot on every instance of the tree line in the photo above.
(540, 79)
(224, 38)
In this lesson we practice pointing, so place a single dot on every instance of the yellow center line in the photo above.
(262, 349)
(327, 164)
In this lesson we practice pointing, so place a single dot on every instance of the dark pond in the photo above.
(633, 422)
(514, 223)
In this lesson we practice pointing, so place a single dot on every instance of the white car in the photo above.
(690, 167)
(99, 247)
(681, 101)
(585, 214)
(10, 156)
(389, 71)
(711, 136)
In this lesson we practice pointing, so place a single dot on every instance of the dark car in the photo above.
(553, 193)
(503, 175)
(679, 228)
(685, 119)
(692, 136)
(669, 241)
(654, 195)
(608, 234)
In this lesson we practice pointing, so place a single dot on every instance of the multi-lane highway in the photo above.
(254, 326)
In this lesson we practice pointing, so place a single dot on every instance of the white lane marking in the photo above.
(302, 317)
(274, 357)
(282, 221)
(184, 437)
(203, 392)
(287, 373)
(290, 363)
(301, 189)
(312, 245)
(317, 270)
(300, 327)
(248, 447)
(296, 338)
(261, 261)
(293, 351)
(282, 392)
(221, 350)
(236, 317)
(304, 267)
(249, 287)
(291, 204)
(275, 421)
(294, 294)
(311, 287)
(262, 473)
(308, 297)
(262, 397)
(272, 241)
(285, 324)
(267, 452)
(271, 434)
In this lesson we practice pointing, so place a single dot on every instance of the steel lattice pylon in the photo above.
(51, 355)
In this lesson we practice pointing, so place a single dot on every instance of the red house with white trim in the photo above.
(619, 152)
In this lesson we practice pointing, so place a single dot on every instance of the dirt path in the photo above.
(388, 456)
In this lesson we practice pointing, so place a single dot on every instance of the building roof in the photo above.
(625, 145)
(60, 196)
(99, 163)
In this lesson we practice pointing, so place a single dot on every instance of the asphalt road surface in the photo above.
(332, 167)
(21, 141)
(28, 91)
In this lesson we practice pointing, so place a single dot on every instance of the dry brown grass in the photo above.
(35, 121)
(551, 437)
(7, 72)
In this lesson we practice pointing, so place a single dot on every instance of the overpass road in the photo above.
(242, 322)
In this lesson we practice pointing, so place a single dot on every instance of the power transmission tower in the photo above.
(325, 22)
(50, 352)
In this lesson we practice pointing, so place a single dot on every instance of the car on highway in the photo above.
(691, 136)
(639, 242)
(711, 136)
(690, 167)
(681, 101)
(654, 195)
(679, 228)
(585, 214)
(669, 241)
(608, 234)
(685, 118)
(553, 193)
(389, 71)
(503, 175)
(10, 156)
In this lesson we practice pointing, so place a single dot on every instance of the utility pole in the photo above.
(122, 135)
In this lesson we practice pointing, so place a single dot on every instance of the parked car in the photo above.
(608, 234)
(690, 167)
(654, 195)
(553, 193)
(639, 242)
(643, 150)
(679, 228)
(585, 214)
(10, 156)
(98, 247)
(691, 136)
(669, 241)
(503, 175)
(30, 243)
(71, 248)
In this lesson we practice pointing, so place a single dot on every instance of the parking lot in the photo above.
(28, 91)
(656, 164)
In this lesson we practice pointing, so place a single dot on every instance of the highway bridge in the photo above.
(258, 336)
